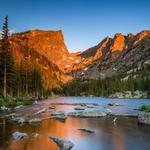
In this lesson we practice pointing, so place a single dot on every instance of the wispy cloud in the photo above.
(11, 31)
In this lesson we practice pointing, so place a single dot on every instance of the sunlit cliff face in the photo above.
(118, 43)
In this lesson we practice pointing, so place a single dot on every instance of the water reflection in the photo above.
(125, 135)
(118, 138)
(106, 136)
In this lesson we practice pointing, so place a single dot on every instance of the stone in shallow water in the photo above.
(61, 115)
(108, 111)
(35, 135)
(90, 106)
(52, 107)
(144, 118)
(79, 108)
(18, 107)
(90, 113)
(40, 111)
(35, 121)
(63, 145)
(21, 121)
(19, 136)
(114, 104)
(86, 130)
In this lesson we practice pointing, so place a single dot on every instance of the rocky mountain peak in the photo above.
(140, 36)
(48, 43)
(118, 42)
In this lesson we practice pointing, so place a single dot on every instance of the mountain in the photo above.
(118, 55)
(42, 50)
(47, 52)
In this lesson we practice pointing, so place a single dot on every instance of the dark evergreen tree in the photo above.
(6, 61)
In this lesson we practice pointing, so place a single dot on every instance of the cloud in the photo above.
(11, 31)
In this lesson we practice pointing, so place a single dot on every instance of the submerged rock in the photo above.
(51, 107)
(90, 113)
(40, 111)
(144, 118)
(61, 115)
(79, 108)
(19, 136)
(35, 121)
(83, 104)
(114, 104)
(108, 111)
(63, 145)
(86, 130)
(90, 106)
(35, 135)
(21, 121)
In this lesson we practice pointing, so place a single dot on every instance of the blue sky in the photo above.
(84, 22)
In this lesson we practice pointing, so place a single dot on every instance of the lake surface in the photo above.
(126, 134)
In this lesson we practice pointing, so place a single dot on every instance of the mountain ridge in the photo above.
(96, 62)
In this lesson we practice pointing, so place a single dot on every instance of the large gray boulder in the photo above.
(19, 136)
(63, 145)
(61, 115)
(89, 113)
(144, 118)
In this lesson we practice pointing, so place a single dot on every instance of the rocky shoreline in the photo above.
(81, 110)
(130, 94)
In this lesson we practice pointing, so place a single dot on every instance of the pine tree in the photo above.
(6, 61)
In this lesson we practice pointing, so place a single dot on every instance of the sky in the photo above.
(84, 22)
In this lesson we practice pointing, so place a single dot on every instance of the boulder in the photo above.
(83, 104)
(108, 111)
(144, 118)
(51, 107)
(21, 121)
(63, 145)
(90, 106)
(40, 111)
(35, 135)
(19, 136)
(18, 107)
(11, 115)
(79, 108)
(4, 108)
(114, 104)
(90, 113)
(35, 121)
(35, 102)
(86, 130)
(61, 115)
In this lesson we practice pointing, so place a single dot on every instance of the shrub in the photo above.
(145, 108)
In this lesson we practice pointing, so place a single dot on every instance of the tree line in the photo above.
(139, 80)
(17, 79)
